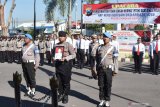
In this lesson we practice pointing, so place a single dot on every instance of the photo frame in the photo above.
(59, 50)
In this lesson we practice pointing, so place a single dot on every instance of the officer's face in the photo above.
(94, 39)
(106, 40)
(27, 40)
(62, 39)
(158, 37)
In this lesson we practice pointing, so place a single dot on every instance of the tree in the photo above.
(64, 6)
(139, 27)
(5, 27)
(100, 1)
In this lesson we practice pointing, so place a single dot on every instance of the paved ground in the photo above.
(128, 88)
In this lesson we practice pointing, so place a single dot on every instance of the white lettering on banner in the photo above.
(123, 13)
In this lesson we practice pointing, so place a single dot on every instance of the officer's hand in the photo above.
(35, 68)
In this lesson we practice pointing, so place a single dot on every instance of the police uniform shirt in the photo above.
(74, 43)
(48, 45)
(14, 45)
(154, 46)
(69, 40)
(5, 42)
(0, 45)
(19, 45)
(81, 44)
(10, 45)
(69, 52)
(101, 54)
(141, 49)
(93, 48)
(116, 47)
(41, 46)
(31, 55)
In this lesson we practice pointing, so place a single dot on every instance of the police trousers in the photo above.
(19, 56)
(41, 58)
(48, 56)
(104, 83)
(138, 61)
(10, 56)
(2, 57)
(29, 74)
(63, 73)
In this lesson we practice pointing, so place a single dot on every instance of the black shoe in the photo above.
(65, 99)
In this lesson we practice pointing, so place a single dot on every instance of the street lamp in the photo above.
(34, 36)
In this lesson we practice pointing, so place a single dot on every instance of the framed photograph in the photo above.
(59, 52)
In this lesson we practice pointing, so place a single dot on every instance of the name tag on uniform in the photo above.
(59, 50)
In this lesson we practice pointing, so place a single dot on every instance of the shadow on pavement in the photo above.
(130, 68)
(112, 93)
(80, 74)
(48, 72)
(10, 102)
(40, 89)
(83, 97)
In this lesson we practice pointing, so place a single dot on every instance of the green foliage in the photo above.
(31, 32)
(56, 5)
(109, 27)
(100, 1)
(139, 27)
(94, 27)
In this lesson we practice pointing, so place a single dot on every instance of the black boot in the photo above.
(65, 99)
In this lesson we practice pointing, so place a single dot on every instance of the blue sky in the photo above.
(24, 9)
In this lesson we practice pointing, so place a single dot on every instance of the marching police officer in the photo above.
(104, 67)
(0, 49)
(63, 65)
(5, 49)
(19, 45)
(30, 62)
(10, 50)
(92, 53)
(138, 53)
(41, 46)
(48, 49)
(155, 54)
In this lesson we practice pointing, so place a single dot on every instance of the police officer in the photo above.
(10, 53)
(138, 53)
(30, 63)
(155, 54)
(19, 45)
(92, 53)
(116, 53)
(14, 40)
(80, 51)
(5, 41)
(0, 49)
(48, 49)
(36, 42)
(104, 58)
(63, 66)
(41, 46)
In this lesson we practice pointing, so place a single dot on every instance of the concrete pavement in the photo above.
(128, 88)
